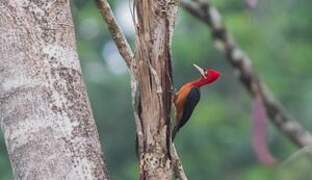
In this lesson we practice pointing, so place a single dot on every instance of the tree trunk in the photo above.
(155, 21)
(45, 115)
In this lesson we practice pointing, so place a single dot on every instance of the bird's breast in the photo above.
(180, 99)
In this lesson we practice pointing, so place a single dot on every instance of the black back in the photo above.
(191, 101)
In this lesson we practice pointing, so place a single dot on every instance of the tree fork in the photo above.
(127, 54)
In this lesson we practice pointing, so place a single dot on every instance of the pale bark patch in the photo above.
(47, 122)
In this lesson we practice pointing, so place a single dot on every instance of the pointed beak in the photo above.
(201, 71)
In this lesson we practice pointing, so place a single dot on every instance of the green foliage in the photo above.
(298, 166)
(215, 143)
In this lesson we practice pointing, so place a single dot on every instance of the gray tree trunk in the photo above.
(45, 115)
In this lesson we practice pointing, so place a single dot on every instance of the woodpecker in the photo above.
(188, 96)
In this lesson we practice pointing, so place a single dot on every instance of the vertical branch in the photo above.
(155, 21)
(151, 84)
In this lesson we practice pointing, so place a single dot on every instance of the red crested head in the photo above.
(208, 76)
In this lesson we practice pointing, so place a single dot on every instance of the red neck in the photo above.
(202, 82)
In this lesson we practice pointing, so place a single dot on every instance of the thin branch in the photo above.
(127, 54)
(241, 63)
(178, 168)
(117, 34)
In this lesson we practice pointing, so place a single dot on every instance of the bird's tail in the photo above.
(174, 132)
(136, 147)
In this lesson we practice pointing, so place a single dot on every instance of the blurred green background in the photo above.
(215, 144)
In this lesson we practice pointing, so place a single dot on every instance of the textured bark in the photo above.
(155, 21)
(45, 115)
(126, 52)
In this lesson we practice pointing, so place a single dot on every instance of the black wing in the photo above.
(191, 101)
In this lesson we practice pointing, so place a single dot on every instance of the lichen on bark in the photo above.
(46, 118)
